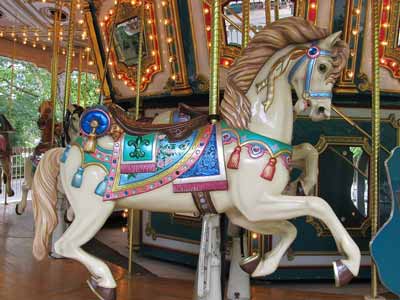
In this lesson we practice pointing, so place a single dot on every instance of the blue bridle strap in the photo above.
(310, 68)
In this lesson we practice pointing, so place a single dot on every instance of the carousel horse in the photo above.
(71, 131)
(5, 154)
(120, 163)
(304, 158)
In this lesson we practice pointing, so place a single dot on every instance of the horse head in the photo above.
(71, 123)
(45, 114)
(313, 75)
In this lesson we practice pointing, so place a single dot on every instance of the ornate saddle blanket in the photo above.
(140, 164)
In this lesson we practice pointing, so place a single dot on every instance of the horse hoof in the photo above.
(101, 292)
(249, 264)
(17, 211)
(11, 193)
(342, 273)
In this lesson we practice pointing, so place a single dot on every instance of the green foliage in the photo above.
(32, 85)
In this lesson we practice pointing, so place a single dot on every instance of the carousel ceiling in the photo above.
(31, 22)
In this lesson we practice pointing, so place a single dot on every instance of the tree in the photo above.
(31, 85)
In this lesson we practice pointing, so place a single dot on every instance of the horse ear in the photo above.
(330, 40)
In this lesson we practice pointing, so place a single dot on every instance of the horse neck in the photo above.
(277, 121)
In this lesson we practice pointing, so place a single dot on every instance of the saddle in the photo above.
(174, 132)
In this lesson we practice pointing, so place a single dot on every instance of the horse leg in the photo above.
(269, 261)
(26, 186)
(84, 227)
(61, 227)
(8, 176)
(281, 207)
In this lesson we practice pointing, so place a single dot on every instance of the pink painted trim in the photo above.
(138, 168)
(221, 185)
(110, 195)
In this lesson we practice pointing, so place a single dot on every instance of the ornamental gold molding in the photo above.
(389, 49)
(323, 144)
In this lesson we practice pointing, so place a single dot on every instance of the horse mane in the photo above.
(235, 107)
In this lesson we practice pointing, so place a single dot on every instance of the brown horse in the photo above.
(44, 123)
(5, 154)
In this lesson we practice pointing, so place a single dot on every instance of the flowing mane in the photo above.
(235, 107)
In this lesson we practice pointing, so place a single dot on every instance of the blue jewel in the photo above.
(313, 51)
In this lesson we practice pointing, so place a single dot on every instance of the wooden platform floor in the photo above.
(23, 278)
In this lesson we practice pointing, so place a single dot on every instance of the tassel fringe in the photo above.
(234, 159)
(269, 170)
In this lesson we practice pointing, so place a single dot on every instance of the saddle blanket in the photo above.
(139, 164)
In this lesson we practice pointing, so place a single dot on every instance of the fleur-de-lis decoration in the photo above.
(138, 143)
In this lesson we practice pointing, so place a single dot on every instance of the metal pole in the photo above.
(108, 50)
(374, 191)
(137, 115)
(78, 101)
(69, 59)
(267, 12)
(245, 23)
(276, 9)
(12, 79)
(54, 65)
(214, 60)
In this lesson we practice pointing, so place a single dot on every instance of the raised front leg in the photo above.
(305, 157)
(282, 207)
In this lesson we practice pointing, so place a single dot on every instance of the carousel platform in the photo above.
(22, 277)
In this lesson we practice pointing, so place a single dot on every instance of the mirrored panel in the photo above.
(343, 182)
(126, 41)
(261, 13)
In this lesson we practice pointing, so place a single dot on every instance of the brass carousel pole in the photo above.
(85, 99)
(214, 60)
(245, 23)
(276, 9)
(374, 191)
(54, 64)
(78, 100)
(69, 59)
(134, 214)
(267, 12)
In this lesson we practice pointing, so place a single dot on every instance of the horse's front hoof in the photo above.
(17, 210)
(342, 273)
(101, 292)
(249, 264)
(10, 193)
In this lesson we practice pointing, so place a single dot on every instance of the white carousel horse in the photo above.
(288, 53)
(71, 128)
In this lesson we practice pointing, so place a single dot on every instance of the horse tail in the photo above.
(44, 198)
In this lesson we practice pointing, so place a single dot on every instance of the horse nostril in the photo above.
(321, 109)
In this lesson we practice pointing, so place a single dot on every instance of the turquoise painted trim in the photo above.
(246, 136)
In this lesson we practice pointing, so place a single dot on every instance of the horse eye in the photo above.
(322, 68)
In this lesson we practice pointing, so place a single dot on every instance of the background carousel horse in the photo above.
(5, 154)
(257, 133)
(71, 131)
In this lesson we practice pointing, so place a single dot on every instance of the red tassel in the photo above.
(234, 160)
(269, 170)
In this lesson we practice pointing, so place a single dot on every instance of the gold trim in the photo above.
(322, 145)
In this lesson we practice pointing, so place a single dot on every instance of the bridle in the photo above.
(310, 58)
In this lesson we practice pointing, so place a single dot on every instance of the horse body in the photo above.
(264, 106)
